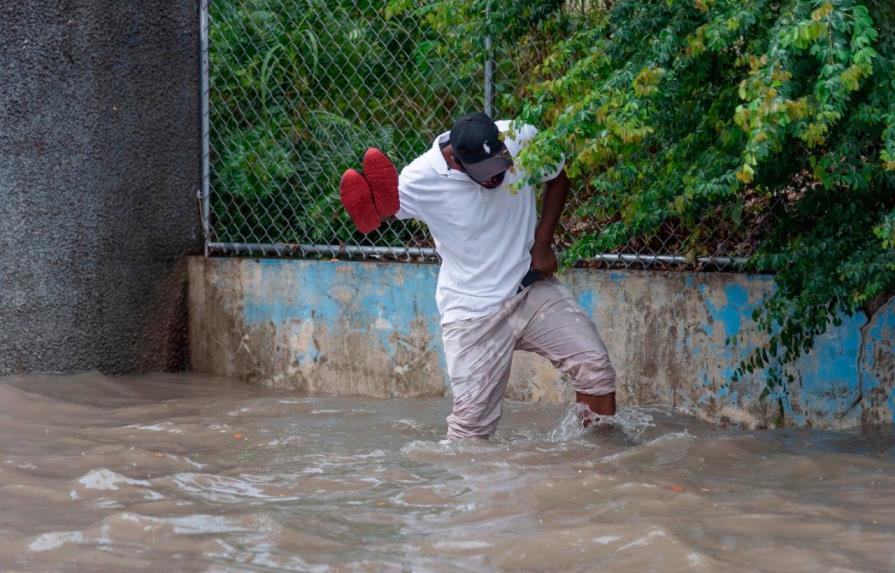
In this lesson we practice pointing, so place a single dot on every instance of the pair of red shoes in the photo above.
(371, 196)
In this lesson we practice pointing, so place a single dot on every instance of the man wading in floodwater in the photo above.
(489, 241)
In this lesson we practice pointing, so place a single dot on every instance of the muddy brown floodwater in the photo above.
(189, 473)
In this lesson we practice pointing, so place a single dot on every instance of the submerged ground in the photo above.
(185, 472)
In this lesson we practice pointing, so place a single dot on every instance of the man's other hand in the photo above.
(543, 259)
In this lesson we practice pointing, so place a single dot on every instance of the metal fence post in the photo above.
(203, 97)
(489, 63)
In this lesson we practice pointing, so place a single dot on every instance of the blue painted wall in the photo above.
(368, 328)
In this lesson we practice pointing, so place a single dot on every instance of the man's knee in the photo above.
(473, 419)
(592, 373)
(463, 429)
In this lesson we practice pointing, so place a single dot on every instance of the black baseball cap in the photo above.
(478, 148)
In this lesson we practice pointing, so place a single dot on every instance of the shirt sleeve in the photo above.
(408, 198)
(524, 136)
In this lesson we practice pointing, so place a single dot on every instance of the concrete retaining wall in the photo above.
(99, 169)
(372, 329)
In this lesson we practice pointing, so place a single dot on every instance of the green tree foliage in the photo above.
(683, 110)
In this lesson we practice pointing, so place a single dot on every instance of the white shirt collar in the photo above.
(438, 163)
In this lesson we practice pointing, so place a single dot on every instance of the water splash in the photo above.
(632, 422)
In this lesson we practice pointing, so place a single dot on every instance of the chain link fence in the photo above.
(294, 91)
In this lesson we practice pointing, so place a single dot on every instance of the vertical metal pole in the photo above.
(489, 64)
(203, 71)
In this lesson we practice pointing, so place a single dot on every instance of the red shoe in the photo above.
(383, 179)
(358, 201)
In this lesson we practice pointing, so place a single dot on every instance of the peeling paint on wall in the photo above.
(318, 327)
(372, 329)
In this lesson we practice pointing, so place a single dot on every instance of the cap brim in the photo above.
(488, 168)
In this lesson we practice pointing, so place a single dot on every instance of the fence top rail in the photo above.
(336, 251)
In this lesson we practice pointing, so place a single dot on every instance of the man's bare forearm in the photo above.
(553, 204)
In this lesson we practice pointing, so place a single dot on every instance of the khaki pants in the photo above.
(543, 319)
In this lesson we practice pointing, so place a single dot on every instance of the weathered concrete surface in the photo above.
(99, 168)
(372, 329)
(319, 327)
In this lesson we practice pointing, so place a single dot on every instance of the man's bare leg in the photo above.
(601, 405)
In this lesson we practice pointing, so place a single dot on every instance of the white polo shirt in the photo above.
(482, 235)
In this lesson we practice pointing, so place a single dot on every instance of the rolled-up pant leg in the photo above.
(559, 330)
(479, 353)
